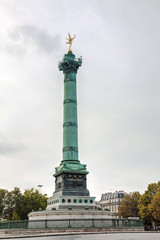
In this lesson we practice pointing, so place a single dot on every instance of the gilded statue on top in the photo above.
(70, 40)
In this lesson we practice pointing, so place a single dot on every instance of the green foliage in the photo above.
(3, 194)
(15, 216)
(32, 199)
(145, 201)
(15, 206)
(129, 206)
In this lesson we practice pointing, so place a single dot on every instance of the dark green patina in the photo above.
(70, 163)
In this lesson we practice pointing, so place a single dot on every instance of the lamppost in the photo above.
(40, 186)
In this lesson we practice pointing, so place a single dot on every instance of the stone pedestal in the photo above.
(88, 220)
(70, 219)
(68, 184)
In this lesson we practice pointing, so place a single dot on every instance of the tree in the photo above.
(154, 207)
(129, 206)
(32, 200)
(13, 205)
(3, 194)
(145, 201)
(8, 210)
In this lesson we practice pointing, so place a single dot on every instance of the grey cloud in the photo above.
(27, 35)
(8, 148)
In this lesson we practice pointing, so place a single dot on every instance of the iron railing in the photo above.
(72, 223)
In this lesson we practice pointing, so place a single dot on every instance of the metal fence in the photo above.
(72, 223)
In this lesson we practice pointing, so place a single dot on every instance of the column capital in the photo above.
(69, 63)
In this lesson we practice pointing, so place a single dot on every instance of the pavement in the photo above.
(15, 234)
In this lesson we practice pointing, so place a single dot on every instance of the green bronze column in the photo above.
(70, 162)
(69, 65)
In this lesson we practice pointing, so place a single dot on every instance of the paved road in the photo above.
(115, 236)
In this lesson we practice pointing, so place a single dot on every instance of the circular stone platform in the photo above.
(70, 218)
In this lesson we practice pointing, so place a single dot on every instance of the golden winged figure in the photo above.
(70, 40)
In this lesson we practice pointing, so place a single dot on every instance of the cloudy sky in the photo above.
(118, 91)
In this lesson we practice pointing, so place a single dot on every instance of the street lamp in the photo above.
(40, 186)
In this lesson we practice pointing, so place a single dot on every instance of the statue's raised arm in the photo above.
(70, 40)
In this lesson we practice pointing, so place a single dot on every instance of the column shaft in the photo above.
(70, 131)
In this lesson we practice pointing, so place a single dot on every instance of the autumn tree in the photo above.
(154, 207)
(145, 201)
(129, 206)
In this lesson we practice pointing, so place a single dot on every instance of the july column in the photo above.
(69, 65)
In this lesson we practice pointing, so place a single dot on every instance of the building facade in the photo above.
(112, 201)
